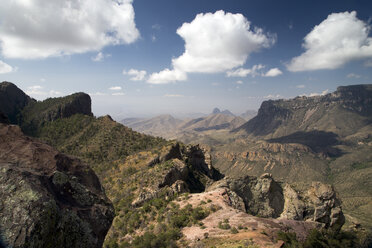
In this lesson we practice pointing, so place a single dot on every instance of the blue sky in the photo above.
(144, 58)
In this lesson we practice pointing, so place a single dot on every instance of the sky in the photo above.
(143, 58)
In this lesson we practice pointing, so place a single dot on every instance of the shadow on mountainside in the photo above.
(318, 141)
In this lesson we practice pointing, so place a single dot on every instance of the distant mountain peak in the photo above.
(216, 111)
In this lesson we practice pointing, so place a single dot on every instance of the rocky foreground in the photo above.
(48, 199)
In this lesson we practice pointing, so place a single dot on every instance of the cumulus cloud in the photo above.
(39, 91)
(242, 72)
(115, 88)
(167, 76)
(239, 82)
(100, 56)
(300, 86)
(324, 92)
(137, 75)
(41, 28)
(340, 38)
(272, 96)
(215, 42)
(5, 68)
(273, 72)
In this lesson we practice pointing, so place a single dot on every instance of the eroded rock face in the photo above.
(319, 203)
(264, 197)
(48, 199)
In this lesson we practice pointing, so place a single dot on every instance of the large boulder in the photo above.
(48, 199)
(319, 203)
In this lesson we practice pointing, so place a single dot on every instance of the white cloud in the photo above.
(5, 68)
(340, 38)
(300, 86)
(137, 75)
(38, 91)
(167, 76)
(239, 82)
(273, 72)
(115, 88)
(353, 75)
(272, 96)
(324, 92)
(41, 28)
(242, 72)
(118, 94)
(153, 38)
(173, 95)
(215, 42)
(100, 56)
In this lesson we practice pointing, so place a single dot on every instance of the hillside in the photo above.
(165, 126)
(326, 138)
(173, 197)
(343, 112)
(68, 124)
(188, 131)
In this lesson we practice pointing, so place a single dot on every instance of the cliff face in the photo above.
(12, 101)
(48, 199)
(36, 114)
(342, 112)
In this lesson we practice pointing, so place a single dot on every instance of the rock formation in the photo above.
(48, 199)
(264, 197)
(12, 101)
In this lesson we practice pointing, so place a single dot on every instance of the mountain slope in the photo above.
(342, 112)
(326, 138)
(163, 125)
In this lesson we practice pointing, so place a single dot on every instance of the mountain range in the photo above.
(264, 182)
(187, 130)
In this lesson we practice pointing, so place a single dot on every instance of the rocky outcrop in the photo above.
(319, 203)
(48, 199)
(264, 197)
(12, 101)
(185, 169)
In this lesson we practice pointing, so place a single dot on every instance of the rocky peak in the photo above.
(47, 198)
(216, 111)
(12, 101)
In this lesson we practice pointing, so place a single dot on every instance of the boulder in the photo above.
(48, 199)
